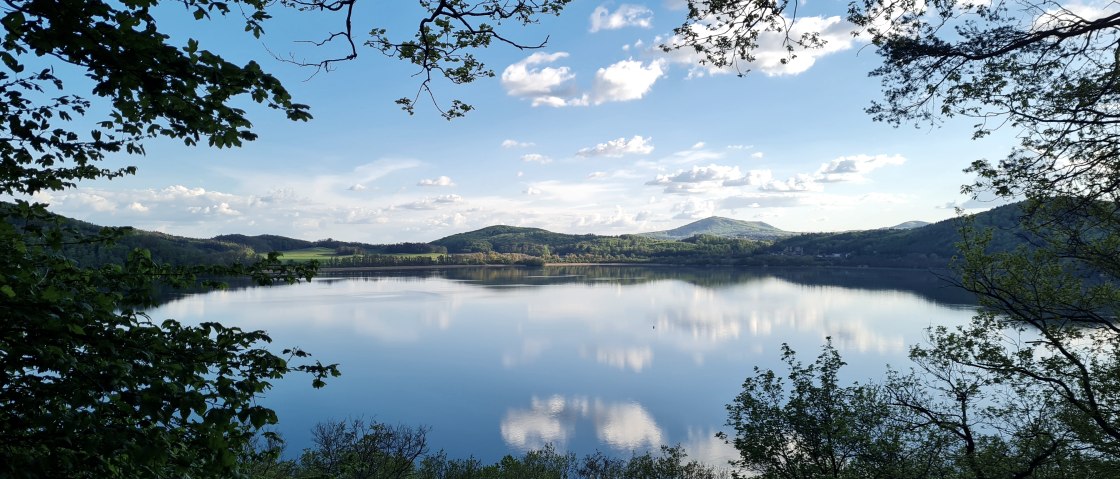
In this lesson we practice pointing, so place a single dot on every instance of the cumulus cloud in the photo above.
(799, 182)
(517, 144)
(853, 168)
(771, 55)
(637, 145)
(536, 158)
(699, 179)
(137, 207)
(441, 181)
(752, 178)
(626, 15)
(218, 209)
(626, 80)
(356, 187)
(531, 78)
(619, 219)
(543, 85)
(844, 168)
(757, 155)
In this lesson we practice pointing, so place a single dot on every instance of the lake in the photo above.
(612, 358)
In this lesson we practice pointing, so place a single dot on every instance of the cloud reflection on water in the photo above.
(632, 358)
(625, 426)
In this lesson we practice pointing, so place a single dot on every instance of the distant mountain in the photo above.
(909, 225)
(724, 228)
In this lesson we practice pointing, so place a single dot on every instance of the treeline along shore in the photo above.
(712, 241)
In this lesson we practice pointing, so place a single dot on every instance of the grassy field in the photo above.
(308, 254)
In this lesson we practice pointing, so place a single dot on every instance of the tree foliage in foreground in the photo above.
(90, 386)
(939, 420)
(360, 449)
(1047, 330)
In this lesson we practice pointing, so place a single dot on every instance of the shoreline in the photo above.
(651, 265)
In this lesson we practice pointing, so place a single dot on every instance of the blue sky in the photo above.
(598, 132)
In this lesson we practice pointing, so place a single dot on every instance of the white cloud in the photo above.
(763, 200)
(596, 175)
(517, 144)
(543, 85)
(536, 158)
(637, 145)
(757, 155)
(853, 168)
(356, 187)
(626, 80)
(441, 181)
(432, 203)
(619, 219)
(137, 207)
(699, 179)
(752, 178)
(698, 145)
(626, 15)
(799, 182)
(89, 200)
(219, 209)
(531, 191)
(1069, 13)
(694, 209)
(771, 55)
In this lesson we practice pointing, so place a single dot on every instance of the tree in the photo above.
(813, 427)
(1050, 73)
(940, 420)
(90, 385)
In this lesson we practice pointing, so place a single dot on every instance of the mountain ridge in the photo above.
(722, 227)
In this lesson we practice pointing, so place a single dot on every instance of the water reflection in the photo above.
(460, 350)
(625, 426)
(626, 358)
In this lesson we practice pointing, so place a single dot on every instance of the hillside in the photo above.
(510, 239)
(164, 247)
(700, 249)
(707, 242)
(930, 244)
(724, 228)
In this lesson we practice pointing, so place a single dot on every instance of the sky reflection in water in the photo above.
(615, 359)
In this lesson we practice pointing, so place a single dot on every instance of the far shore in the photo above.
(463, 266)
(654, 265)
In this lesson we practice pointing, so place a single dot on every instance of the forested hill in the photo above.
(925, 246)
(164, 247)
(722, 227)
(511, 239)
(935, 242)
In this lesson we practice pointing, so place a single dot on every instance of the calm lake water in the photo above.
(498, 361)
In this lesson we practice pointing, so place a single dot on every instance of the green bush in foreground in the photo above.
(357, 450)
